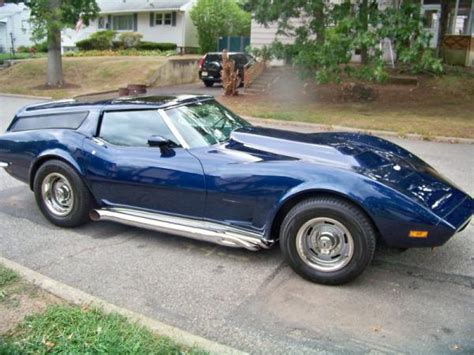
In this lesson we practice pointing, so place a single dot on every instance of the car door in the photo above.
(123, 170)
(243, 185)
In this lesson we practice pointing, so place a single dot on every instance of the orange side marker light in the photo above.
(418, 234)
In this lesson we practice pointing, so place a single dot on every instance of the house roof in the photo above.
(114, 6)
(10, 9)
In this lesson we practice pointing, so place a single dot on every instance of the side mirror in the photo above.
(158, 141)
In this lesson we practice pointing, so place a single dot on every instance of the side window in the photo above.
(65, 120)
(133, 128)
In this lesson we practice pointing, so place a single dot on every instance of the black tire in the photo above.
(77, 213)
(318, 211)
(208, 83)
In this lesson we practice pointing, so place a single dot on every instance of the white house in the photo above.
(15, 29)
(157, 20)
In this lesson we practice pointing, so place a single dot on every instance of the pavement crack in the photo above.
(83, 250)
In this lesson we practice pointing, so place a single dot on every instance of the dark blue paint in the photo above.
(244, 182)
(169, 181)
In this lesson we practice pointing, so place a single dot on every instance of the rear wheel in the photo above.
(327, 240)
(208, 83)
(61, 194)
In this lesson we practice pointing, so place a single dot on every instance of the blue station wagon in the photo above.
(186, 165)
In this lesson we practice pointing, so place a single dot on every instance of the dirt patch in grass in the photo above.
(83, 75)
(438, 106)
(19, 299)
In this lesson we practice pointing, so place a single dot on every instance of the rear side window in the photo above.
(61, 120)
(213, 58)
(133, 128)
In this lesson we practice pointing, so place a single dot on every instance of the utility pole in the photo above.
(12, 38)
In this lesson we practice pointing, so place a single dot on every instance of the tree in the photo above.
(326, 35)
(49, 17)
(446, 7)
(217, 18)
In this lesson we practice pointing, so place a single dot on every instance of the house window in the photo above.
(123, 23)
(167, 20)
(163, 19)
(101, 23)
(24, 26)
(158, 19)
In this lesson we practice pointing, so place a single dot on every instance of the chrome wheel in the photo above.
(57, 194)
(324, 244)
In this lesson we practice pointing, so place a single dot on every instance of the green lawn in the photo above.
(52, 326)
(6, 56)
(73, 330)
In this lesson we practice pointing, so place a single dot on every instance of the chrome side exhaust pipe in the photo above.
(189, 228)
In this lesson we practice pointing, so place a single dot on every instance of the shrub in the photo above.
(23, 49)
(153, 46)
(41, 47)
(130, 39)
(120, 52)
(100, 40)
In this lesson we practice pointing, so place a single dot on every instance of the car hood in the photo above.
(370, 156)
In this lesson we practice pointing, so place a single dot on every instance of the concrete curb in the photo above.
(321, 127)
(26, 96)
(79, 297)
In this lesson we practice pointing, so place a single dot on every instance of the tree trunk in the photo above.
(443, 24)
(55, 66)
(364, 21)
(320, 18)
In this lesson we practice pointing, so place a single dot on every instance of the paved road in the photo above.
(420, 301)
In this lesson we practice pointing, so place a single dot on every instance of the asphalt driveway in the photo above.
(419, 301)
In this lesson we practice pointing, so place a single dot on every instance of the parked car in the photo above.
(210, 66)
(186, 165)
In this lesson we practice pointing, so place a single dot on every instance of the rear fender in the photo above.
(53, 154)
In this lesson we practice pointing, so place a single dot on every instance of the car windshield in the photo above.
(205, 123)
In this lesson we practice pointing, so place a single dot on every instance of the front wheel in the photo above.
(61, 194)
(327, 240)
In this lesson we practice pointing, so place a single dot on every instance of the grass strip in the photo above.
(74, 330)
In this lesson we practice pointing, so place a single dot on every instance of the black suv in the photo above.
(210, 66)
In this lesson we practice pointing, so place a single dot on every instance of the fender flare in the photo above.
(53, 154)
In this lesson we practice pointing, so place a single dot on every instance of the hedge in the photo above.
(153, 46)
(100, 40)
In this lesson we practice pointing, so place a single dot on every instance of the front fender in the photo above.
(392, 213)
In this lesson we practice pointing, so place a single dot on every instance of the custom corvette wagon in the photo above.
(186, 165)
